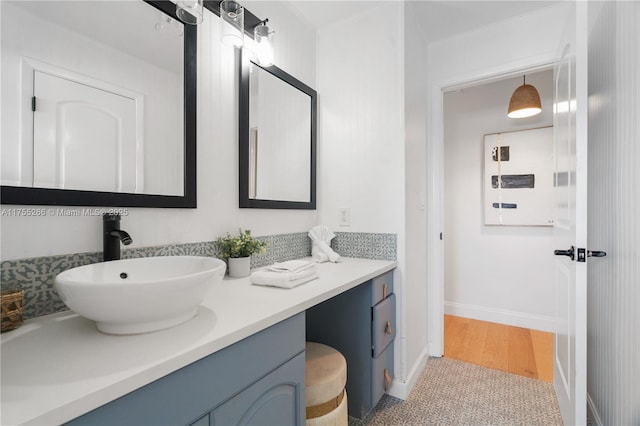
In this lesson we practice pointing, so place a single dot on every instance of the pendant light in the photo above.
(525, 101)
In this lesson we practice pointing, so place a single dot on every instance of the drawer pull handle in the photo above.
(387, 328)
(387, 380)
(385, 289)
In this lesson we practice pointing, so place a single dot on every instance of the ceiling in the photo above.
(441, 18)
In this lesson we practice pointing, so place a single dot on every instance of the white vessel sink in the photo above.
(139, 295)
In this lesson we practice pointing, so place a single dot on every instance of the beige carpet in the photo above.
(450, 392)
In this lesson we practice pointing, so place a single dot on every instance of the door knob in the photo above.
(584, 253)
(571, 253)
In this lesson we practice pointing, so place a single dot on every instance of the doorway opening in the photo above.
(498, 276)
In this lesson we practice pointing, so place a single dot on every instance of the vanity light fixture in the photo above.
(189, 11)
(525, 101)
(232, 14)
(264, 43)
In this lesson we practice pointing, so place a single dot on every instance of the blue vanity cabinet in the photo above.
(360, 323)
(273, 400)
(259, 380)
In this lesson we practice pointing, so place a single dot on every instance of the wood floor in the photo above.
(502, 347)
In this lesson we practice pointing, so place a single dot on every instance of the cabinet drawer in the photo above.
(382, 287)
(383, 327)
(381, 374)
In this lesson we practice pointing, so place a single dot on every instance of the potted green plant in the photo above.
(237, 250)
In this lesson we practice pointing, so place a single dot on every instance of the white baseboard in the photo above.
(593, 411)
(500, 316)
(400, 389)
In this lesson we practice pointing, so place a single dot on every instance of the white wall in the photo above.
(508, 45)
(415, 96)
(484, 53)
(361, 139)
(217, 212)
(613, 373)
(361, 121)
(494, 273)
(294, 40)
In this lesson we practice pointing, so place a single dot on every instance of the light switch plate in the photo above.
(344, 216)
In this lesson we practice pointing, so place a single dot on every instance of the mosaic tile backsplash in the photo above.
(365, 245)
(35, 275)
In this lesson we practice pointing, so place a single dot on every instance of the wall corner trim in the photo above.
(500, 316)
(400, 389)
(592, 411)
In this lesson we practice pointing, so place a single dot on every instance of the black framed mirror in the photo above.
(155, 175)
(278, 131)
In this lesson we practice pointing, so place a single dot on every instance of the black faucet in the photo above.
(112, 236)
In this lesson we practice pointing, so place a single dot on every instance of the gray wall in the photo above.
(614, 208)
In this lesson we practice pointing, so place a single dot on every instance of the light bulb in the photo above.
(524, 112)
(264, 44)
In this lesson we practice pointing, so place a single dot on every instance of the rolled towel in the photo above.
(321, 251)
(321, 233)
(318, 255)
(324, 248)
(283, 279)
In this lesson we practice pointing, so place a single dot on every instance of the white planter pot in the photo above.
(239, 267)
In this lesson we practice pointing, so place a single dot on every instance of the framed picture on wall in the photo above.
(518, 178)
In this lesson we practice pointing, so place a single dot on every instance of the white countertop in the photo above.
(58, 367)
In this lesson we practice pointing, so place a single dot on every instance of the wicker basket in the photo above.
(11, 309)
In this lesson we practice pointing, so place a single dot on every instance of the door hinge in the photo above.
(582, 255)
(33, 103)
(441, 236)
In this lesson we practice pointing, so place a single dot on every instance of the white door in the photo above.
(84, 137)
(570, 183)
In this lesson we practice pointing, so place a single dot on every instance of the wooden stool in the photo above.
(326, 377)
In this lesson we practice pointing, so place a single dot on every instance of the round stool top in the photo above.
(325, 373)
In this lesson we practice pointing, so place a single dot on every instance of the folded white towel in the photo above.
(291, 266)
(283, 279)
(321, 251)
